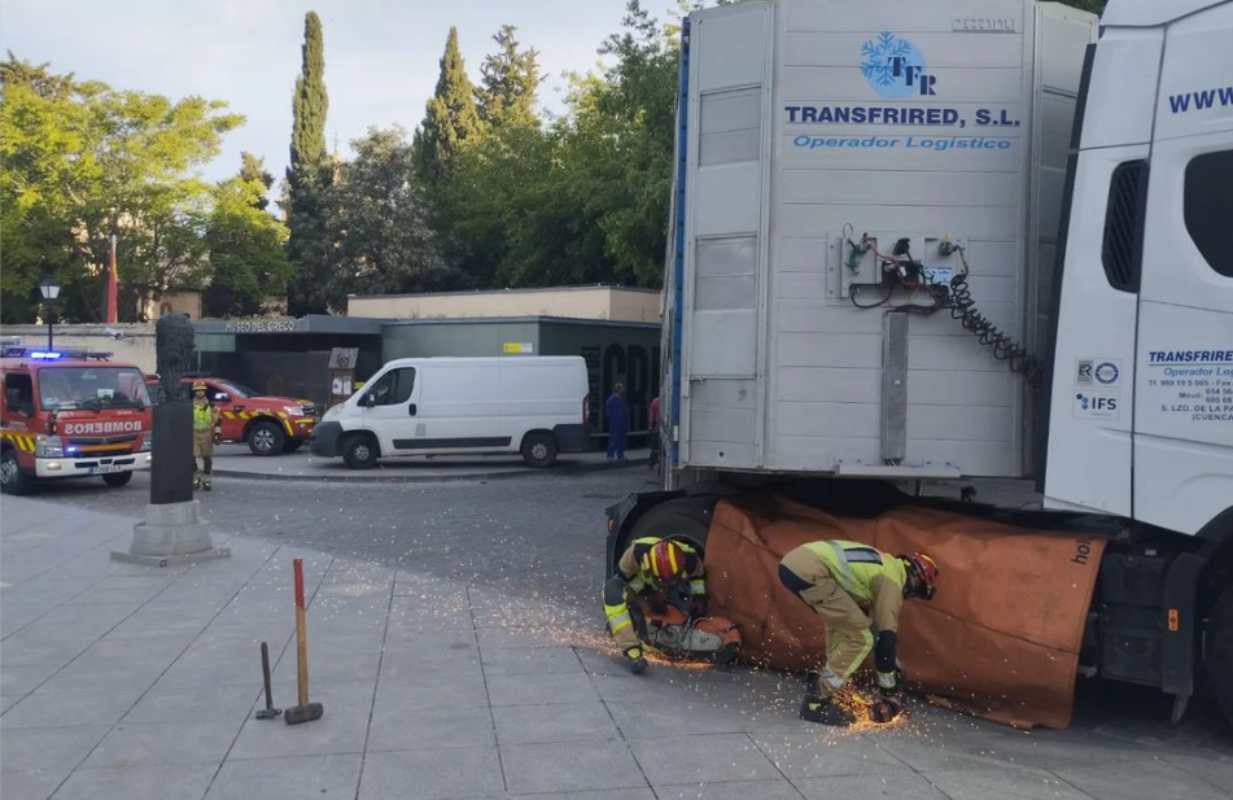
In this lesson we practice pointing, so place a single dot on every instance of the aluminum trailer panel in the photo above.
(812, 122)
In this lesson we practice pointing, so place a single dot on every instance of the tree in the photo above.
(308, 177)
(81, 162)
(245, 245)
(450, 118)
(506, 95)
(378, 218)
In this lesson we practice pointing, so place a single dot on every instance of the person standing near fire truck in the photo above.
(205, 419)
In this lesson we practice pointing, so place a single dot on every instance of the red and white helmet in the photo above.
(923, 571)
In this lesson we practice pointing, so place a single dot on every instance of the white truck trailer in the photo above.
(954, 239)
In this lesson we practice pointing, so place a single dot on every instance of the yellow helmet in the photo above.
(198, 386)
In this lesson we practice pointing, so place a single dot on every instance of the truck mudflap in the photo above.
(1001, 638)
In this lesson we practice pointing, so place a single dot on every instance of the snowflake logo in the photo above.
(889, 64)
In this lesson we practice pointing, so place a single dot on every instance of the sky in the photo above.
(380, 56)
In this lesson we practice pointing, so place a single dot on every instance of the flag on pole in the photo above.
(112, 309)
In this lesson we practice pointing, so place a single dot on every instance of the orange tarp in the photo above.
(1000, 639)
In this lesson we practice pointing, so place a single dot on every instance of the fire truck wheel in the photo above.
(117, 478)
(1219, 658)
(266, 439)
(360, 451)
(12, 479)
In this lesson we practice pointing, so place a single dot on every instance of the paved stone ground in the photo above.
(119, 681)
(235, 460)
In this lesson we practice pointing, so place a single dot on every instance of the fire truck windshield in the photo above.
(67, 388)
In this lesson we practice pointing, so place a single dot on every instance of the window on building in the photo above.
(393, 387)
(1208, 208)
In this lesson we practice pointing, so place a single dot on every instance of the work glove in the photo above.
(635, 659)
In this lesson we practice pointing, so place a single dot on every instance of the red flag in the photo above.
(112, 314)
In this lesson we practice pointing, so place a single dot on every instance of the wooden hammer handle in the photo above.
(301, 634)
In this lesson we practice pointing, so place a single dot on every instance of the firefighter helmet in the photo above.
(198, 386)
(666, 561)
(923, 572)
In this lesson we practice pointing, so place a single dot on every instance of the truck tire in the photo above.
(12, 479)
(539, 449)
(266, 438)
(117, 478)
(1218, 662)
(685, 518)
(360, 451)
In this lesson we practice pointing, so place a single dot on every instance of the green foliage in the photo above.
(308, 178)
(80, 162)
(506, 95)
(450, 118)
(377, 217)
(245, 245)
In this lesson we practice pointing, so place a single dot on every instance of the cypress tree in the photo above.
(308, 177)
(252, 168)
(450, 117)
(510, 77)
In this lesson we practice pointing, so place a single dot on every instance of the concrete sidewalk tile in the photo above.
(19, 680)
(48, 748)
(935, 753)
(531, 661)
(327, 662)
(553, 723)
(601, 794)
(81, 707)
(1144, 780)
(522, 690)
(510, 637)
(183, 742)
(149, 782)
(35, 784)
(395, 728)
(570, 766)
(404, 668)
(645, 720)
(326, 777)
(715, 757)
(894, 785)
(464, 772)
(736, 790)
(1012, 783)
(340, 730)
(444, 693)
(821, 753)
(1214, 768)
(213, 703)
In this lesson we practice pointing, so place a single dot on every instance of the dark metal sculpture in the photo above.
(171, 481)
(173, 342)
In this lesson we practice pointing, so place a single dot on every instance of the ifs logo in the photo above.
(895, 68)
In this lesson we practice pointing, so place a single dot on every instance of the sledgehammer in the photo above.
(304, 711)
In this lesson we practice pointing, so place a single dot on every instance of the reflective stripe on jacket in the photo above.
(635, 567)
(203, 417)
(854, 566)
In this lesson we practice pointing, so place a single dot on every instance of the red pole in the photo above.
(297, 566)
(301, 635)
(112, 311)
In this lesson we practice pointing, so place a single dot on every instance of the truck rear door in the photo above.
(1183, 376)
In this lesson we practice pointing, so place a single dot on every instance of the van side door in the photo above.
(1183, 428)
(389, 409)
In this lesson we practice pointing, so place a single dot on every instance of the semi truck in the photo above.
(946, 242)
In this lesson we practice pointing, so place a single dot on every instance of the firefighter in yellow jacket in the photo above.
(649, 566)
(840, 581)
(205, 420)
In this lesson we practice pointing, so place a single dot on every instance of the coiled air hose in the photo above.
(1005, 348)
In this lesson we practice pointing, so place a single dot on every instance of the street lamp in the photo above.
(50, 290)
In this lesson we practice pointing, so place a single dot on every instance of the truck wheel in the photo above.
(1218, 662)
(266, 439)
(360, 451)
(539, 449)
(686, 518)
(117, 478)
(12, 479)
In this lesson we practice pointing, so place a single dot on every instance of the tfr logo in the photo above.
(894, 67)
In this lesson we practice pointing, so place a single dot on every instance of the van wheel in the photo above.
(12, 479)
(117, 478)
(539, 449)
(266, 439)
(360, 452)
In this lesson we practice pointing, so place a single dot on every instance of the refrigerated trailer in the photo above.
(965, 239)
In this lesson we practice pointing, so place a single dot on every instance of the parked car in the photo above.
(270, 424)
(534, 405)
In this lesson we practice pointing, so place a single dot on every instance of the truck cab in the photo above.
(71, 415)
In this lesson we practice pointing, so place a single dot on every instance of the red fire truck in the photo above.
(70, 414)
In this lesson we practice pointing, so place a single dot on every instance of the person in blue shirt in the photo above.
(617, 415)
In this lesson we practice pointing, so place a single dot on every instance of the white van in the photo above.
(534, 405)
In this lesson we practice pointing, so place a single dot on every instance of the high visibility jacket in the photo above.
(634, 575)
(204, 417)
(874, 579)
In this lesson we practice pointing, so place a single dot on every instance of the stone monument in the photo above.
(172, 532)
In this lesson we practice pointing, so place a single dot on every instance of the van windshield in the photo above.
(66, 388)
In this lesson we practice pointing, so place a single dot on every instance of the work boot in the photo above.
(637, 662)
(196, 482)
(821, 710)
(886, 709)
(205, 484)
